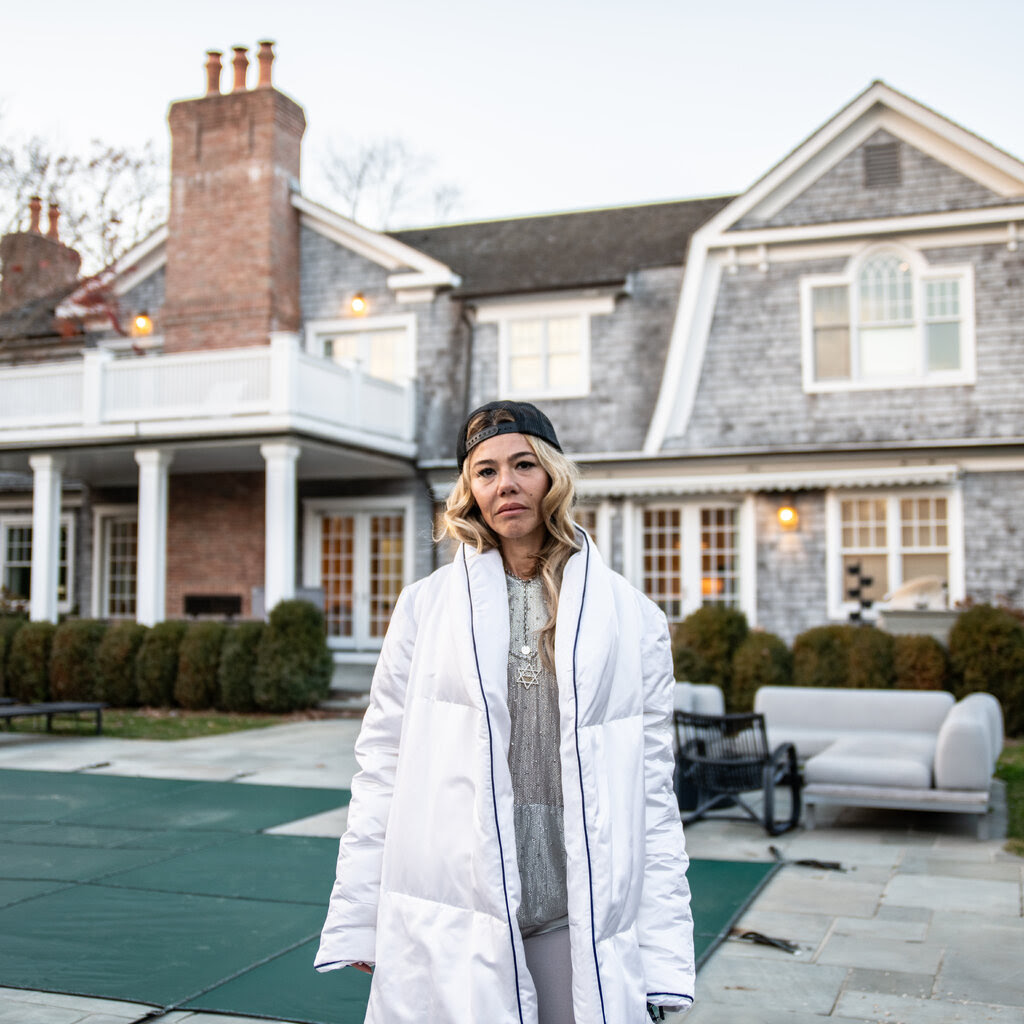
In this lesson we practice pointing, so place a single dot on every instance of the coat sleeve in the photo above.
(665, 924)
(350, 931)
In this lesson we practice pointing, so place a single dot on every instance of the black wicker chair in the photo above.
(721, 757)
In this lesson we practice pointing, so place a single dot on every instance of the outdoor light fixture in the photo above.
(358, 304)
(142, 325)
(788, 516)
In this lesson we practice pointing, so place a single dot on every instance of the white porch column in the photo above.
(282, 495)
(47, 477)
(151, 567)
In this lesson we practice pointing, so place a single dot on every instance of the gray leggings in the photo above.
(547, 958)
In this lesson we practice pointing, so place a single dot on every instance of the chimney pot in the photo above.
(54, 215)
(241, 65)
(266, 59)
(213, 72)
(35, 206)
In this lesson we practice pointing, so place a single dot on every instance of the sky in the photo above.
(527, 107)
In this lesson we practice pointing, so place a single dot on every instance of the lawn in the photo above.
(1011, 771)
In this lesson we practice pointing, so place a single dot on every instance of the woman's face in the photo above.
(508, 485)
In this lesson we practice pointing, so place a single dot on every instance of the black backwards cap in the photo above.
(527, 419)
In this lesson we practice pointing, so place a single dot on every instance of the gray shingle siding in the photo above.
(147, 296)
(994, 537)
(926, 186)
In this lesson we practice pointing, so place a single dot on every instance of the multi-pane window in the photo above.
(719, 562)
(892, 540)
(586, 517)
(380, 353)
(546, 355)
(16, 560)
(895, 321)
(361, 570)
(662, 560)
(121, 548)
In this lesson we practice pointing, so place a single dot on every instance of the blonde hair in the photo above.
(463, 521)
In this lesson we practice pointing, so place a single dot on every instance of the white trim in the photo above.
(630, 543)
(495, 311)
(604, 529)
(747, 555)
(100, 590)
(312, 537)
(66, 520)
(315, 330)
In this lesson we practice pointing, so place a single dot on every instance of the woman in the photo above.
(514, 851)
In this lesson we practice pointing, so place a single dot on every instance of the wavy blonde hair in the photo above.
(463, 521)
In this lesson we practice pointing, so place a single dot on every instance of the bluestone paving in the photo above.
(921, 894)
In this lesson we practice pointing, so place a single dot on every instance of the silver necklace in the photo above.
(523, 644)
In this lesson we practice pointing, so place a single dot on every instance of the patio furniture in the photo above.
(724, 757)
(51, 708)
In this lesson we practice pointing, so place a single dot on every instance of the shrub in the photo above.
(986, 652)
(821, 656)
(763, 659)
(920, 663)
(9, 625)
(115, 664)
(28, 664)
(156, 666)
(704, 643)
(870, 658)
(198, 661)
(293, 666)
(238, 666)
(73, 659)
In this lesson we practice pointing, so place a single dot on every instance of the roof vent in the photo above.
(882, 165)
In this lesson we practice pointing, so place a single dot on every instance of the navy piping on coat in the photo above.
(494, 795)
(579, 763)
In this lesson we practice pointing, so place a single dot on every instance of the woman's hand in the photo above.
(364, 967)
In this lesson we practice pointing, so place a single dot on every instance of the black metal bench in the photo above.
(51, 708)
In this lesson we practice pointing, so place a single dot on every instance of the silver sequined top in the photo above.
(533, 760)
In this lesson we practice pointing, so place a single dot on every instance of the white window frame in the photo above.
(101, 515)
(839, 606)
(690, 531)
(504, 313)
(318, 331)
(67, 520)
(312, 539)
(921, 273)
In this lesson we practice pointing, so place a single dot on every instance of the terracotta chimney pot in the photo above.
(241, 65)
(54, 215)
(213, 72)
(35, 206)
(266, 59)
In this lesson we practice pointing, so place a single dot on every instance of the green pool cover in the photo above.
(168, 893)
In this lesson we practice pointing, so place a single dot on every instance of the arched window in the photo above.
(892, 320)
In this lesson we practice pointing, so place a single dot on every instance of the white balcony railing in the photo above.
(226, 390)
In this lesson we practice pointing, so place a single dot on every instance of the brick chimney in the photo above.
(35, 264)
(233, 241)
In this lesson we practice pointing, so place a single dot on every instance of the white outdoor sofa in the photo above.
(907, 749)
(701, 698)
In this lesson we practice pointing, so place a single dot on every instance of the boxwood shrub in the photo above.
(115, 664)
(198, 661)
(28, 664)
(238, 667)
(821, 656)
(704, 643)
(920, 663)
(73, 659)
(293, 666)
(156, 666)
(9, 625)
(763, 659)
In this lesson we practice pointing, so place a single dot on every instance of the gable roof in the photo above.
(35, 329)
(564, 250)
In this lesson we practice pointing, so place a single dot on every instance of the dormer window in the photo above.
(892, 321)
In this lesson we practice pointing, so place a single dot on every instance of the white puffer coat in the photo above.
(427, 882)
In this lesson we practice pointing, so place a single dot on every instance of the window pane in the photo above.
(719, 579)
(874, 567)
(943, 346)
(662, 582)
(936, 564)
(121, 565)
(942, 299)
(343, 348)
(525, 337)
(886, 290)
(564, 372)
(564, 334)
(832, 353)
(526, 374)
(887, 352)
(386, 558)
(831, 306)
(336, 572)
(386, 357)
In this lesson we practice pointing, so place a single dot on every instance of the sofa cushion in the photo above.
(964, 754)
(700, 698)
(875, 760)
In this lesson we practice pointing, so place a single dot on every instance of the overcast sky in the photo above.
(531, 106)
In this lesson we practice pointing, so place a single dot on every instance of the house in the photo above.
(776, 398)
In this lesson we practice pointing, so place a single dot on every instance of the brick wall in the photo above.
(215, 537)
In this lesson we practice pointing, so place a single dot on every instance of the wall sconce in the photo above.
(142, 325)
(358, 304)
(789, 518)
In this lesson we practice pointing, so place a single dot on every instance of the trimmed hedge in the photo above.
(9, 625)
(871, 658)
(704, 644)
(294, 665)
(821, 655)
(238, 667)
(920, 663)
(115, 664)
(28, 664)
(199, 657)
(156, 666)
(763, 659)
(73, 659)
(986, 652)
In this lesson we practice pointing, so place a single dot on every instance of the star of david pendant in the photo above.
(526, 674)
